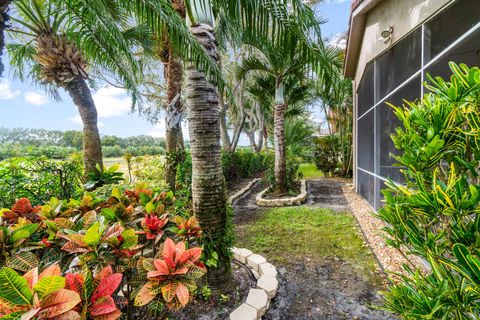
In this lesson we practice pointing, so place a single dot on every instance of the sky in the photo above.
(26, 106)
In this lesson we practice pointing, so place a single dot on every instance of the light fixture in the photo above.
(386, 35)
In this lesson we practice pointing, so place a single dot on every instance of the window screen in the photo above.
(366, 186)
(397, 64)
(365, 90)
(365, 141)
(446, 27)
(468, 52)
(387, 122)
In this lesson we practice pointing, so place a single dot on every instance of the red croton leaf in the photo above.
(182, 294)
(107, 286)
(189, 257)
(162, 269)
(22, 206)
(172, 251)
(109, 316)
(102, 305)
(59, 302)
(74, 282)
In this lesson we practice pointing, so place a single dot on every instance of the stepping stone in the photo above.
(269, 284)
(258, 299)
(244, 312)
(254, 260)
(243, 254)
(267, 269)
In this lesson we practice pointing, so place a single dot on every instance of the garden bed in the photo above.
(265, 200)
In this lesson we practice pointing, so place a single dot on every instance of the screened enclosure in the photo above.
(453, 34)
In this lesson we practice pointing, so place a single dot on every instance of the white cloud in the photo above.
(112, 102)
(338, 40)
(6, 92)
(36, 98)
(159, 129)
(78, 120)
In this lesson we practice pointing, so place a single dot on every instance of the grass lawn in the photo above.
(287, 235)
(310, 171)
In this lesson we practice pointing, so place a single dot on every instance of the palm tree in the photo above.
(268, 19)
(4, 6)
(57, 60)
(208, 183)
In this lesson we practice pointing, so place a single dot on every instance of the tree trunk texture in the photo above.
(208, 183)
(173, 71)
(4, 4)
(279, 146)
(92, 146)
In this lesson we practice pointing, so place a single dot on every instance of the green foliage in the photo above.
(105, 176)
(244, 163)
(293, 173)
(84, 237)
(330, 156)
(150, 170)
(39, 179)
(435, 214)
(55, 144)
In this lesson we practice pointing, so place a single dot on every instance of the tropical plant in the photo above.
(434, 214)
(36, 296)
(103, 176)
(173, 275)
(280, 62)
(97, 293)
(39, 179)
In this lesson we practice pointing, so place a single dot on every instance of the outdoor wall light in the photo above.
(386, 35)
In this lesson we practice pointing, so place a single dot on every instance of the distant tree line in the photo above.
(58, 144)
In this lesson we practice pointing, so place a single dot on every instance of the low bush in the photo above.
(293, 173)
(434, 214)
(243, 163)
(39, 179)
(96, 258)
(333, 156)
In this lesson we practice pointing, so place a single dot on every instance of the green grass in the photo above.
(108, 162)
(288, 235)
(310, 171)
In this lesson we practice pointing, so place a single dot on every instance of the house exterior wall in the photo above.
(427, 34)
(403, 15)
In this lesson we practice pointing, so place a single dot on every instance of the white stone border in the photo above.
(281, 202)
(243, 190)
(258, 299)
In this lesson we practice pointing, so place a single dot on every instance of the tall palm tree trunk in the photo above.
(279, 140)
(173, 134)
(208, 183)
(92, 147)
(4, 4)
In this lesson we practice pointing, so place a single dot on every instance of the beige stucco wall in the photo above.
(403, 15)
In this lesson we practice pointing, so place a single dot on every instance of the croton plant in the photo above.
(97, 257)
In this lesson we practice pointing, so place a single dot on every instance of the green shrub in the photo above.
(243, 163)
(39, 179)
(332, 156)
(293, 172)
(435, 214)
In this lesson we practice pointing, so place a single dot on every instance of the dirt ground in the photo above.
(316, 287)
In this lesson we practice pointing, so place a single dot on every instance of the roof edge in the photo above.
(359, 10)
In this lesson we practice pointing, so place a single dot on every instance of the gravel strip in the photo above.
(390, 259)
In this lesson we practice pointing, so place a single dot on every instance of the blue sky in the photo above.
(24, 105)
